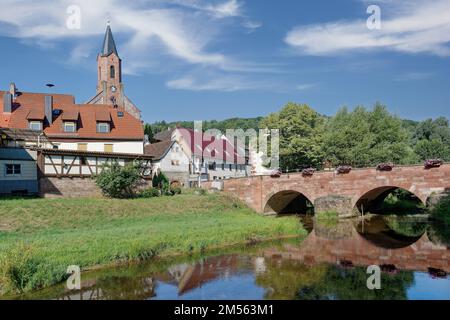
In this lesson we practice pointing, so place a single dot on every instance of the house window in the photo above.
(13, 169)
(103, 127)
(108, 148)
(36, 125)
(112, 72)
(175, 162)
(82, 146)
(70, 127)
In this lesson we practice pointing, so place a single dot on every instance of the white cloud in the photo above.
(414, 76)
(174, 30)
(252, 25)
(305, 86)
(202, 80)
(231, 8)
(411, 27)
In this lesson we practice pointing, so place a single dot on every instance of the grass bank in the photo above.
(39, 238)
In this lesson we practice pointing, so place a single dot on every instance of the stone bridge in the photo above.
(360, 189)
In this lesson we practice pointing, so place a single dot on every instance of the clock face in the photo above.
(113, 89)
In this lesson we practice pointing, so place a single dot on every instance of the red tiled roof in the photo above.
(123, 128)
(35, 114)
(70, 115)
(102, 115)
(211, 147)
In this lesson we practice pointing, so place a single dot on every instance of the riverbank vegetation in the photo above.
(360, 137)
(441, 211)
(40, 238)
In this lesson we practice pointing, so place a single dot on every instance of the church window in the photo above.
(112, 72)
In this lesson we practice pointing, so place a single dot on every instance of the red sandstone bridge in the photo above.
(361, 188)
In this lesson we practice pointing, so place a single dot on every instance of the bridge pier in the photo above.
(342, 205)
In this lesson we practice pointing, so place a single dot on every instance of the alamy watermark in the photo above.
(374, 280)
(374, 20)
(74, 280)
(236, 146)
(73, 21)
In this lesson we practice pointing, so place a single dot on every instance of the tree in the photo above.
(365, 138)
(301, 133)
(431, 139)
(149, 132)
(116, 181)
(161, 182)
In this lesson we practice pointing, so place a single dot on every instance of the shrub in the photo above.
(149, 193)
(161, 182)
(200, 191)
(175, 190)
(116, 181)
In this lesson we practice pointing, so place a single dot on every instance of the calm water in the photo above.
(330, 263)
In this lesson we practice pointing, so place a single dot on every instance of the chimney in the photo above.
(49, 109)
(12, 89)
(7, 102)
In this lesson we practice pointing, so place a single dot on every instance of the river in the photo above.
(330, 263)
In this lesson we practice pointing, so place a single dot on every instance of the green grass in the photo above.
(39, 238)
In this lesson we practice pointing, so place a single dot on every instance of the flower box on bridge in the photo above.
(433, 163)
(343, 169)
(385, 167)
(308, 172)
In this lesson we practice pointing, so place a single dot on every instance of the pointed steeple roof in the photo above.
(109, 46)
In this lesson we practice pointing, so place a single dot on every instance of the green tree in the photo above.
(161, 182)
(149, 132)
(431, 139)
(301, 132)
(117, 181)
(365, 138)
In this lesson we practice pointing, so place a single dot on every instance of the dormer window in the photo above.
(103, 127)
(35, 125)
(70, 126)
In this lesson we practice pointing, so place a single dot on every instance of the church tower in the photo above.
(110, 89)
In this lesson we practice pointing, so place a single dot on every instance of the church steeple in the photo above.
(110, 72)
(110, 89)
(109, 46)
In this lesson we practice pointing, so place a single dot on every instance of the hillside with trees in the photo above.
(360, 137)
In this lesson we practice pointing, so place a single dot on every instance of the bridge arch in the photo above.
(372, 199)
(287, 201)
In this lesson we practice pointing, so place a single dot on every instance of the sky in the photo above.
(218, 59)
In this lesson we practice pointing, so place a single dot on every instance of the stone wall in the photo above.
(65, 187)
(53, 187)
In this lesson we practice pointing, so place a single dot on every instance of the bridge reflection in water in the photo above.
(329, 264)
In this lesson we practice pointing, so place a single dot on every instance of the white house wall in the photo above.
(133, 147)
(175, 154)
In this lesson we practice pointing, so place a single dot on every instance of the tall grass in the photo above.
(39, 238)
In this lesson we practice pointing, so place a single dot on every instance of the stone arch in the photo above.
(371, 198)
(286, 201)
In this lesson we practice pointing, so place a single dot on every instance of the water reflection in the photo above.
(330, 263)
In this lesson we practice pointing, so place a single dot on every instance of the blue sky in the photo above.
(202, 60)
